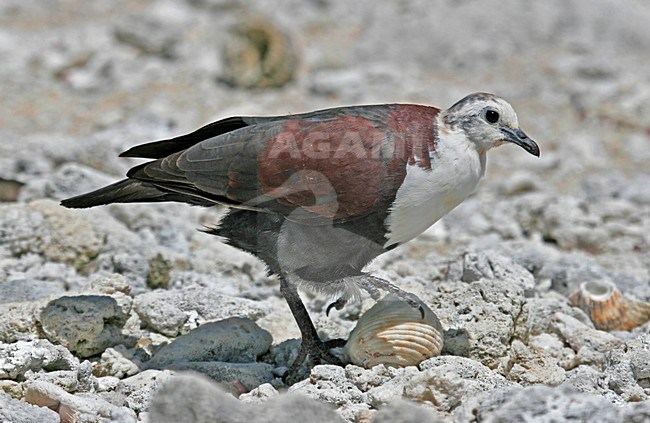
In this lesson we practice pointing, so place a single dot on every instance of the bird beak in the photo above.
(519, 137)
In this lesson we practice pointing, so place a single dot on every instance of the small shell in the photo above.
(258, 55)
(608, 308)
(395, 334)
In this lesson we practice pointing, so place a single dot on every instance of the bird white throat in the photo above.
(426, 195)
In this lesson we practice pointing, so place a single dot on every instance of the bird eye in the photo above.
(492, 116)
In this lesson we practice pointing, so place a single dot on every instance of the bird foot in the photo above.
(315, 352)
(371, 283)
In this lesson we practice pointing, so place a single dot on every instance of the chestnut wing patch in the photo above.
(332, 165)
(337, 169)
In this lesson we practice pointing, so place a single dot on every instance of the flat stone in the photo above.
(235, 340)
(234, 377)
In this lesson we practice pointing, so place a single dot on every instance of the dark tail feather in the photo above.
(163, 148)
(125, 191)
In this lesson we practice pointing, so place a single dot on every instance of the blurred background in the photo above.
(115, 73)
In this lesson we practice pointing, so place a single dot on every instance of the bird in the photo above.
(317, 196)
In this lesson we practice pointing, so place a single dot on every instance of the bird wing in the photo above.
(332, 165)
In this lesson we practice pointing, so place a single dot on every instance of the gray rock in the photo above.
(23, 230)
(107, 383)
(532, 255)
(119, 362)
(519, 183)
(148, 34)
(356, 412)
(365, 379)
(194, 398)
(66, 181)
(637, 190)
(24, 166)
(13, 388)
(234, 377)
(22, 320)
(472, 267)
(590, 344)
(529, 367)
(260, 394)
(626, 369)
(589, 380)
(168, 312)
(20, 357)
(542, 309)
(532, 404)
(69, 238)
(15, 411)
(86, 324)
(86, 381)
(393, 387)
(109, 285)
(19, 320)
(79, 408)
(552, 346)
(136, 391)
(134, 266)
(568, 222)
(73, 381)
(46, 229)
(22, 290)
(403, 411)
(329, 384)
(235, 340)
(445, 381)
(485, 309)
(450, 380)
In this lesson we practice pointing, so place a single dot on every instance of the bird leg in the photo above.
(311, 345)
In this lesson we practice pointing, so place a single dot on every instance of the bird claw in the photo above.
(414, 301)
(338, 305)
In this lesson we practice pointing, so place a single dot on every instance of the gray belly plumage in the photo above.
(318, 253)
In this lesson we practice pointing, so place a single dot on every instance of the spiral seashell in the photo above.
(607, 308)
(259, 55)
(394, 334)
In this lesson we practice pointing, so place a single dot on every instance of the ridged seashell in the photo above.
(395, 334)
(608, 308)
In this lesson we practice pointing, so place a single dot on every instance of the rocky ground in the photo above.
(128, 313)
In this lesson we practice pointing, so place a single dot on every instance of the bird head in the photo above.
(488, 121)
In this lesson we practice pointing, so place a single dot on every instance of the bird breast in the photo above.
(426, 195)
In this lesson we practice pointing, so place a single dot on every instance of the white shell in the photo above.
(394, 334)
